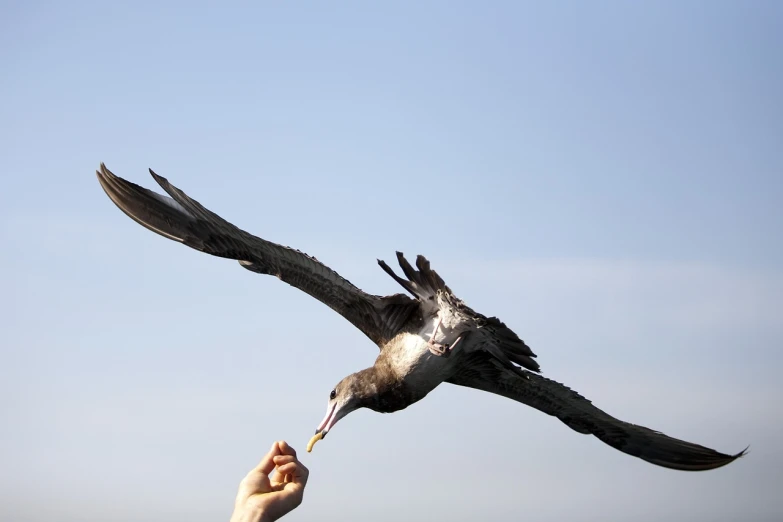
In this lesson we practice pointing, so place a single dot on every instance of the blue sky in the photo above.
(605, 178)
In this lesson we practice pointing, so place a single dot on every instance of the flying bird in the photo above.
(425, 339)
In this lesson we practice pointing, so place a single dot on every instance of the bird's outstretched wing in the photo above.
(183, 219)
(481, 372)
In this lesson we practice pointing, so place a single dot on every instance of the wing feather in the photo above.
(480, 372)
(183, 219)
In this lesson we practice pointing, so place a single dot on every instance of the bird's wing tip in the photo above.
(159, 179)
(104, 175)
(741, 453)
(728, 459)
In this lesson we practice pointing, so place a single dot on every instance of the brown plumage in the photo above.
(426, 339)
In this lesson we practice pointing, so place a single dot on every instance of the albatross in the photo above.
(427, 338)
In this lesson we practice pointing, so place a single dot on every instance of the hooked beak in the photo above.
(324, 427)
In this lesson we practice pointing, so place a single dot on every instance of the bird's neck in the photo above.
(384, 391)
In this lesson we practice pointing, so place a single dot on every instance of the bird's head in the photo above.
(355, 391)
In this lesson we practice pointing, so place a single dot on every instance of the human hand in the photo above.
(273, 488)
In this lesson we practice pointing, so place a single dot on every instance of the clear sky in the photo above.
(606, 177)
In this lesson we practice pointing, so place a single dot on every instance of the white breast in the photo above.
(415, 364)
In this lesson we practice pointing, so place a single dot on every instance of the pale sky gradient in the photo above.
(606, 177)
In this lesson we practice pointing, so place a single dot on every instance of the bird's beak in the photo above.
(325, 426)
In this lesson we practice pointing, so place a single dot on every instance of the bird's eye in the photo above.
(332, 395)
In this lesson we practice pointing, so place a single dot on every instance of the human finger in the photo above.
(279, 460)
(267, 463)
(286, 449)
(298, 471)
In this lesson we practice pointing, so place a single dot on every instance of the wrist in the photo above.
(251, 514)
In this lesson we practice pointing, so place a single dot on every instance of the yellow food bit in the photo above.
(318, 436)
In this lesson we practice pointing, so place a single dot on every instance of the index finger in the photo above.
(267, 464)
(285, 449)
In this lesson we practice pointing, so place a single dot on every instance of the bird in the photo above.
(426, 337)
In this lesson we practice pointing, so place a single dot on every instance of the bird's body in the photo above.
(424, 340)
(417, 371)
